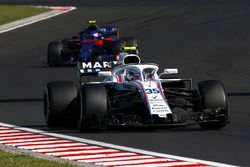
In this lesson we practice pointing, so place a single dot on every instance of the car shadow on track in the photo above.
(24, 100)
(46, 66)
(73, 130)
(70, 130)
(238, 94)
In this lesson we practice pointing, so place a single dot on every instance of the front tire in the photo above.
(94, 108)
(214, 97)
(60, 103)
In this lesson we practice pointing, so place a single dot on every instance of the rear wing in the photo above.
(110, 31)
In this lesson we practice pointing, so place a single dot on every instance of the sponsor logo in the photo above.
(109, 29)
(154, 100)
(158, 105)
(154, 97)
(101, 64)
(159, 109)
(152, 91)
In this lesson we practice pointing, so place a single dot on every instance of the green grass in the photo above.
(17, 160)
(9, 13)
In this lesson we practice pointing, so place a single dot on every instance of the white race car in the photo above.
(134, 95)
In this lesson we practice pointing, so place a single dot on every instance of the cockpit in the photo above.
(139, 74)
(149, 74)
(133, 74)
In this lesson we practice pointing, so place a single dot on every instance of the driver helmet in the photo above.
(133, 75)
(93, 28)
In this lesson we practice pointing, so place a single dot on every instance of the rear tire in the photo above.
(94, 108)
(60, 102)
(213, 96)
(54, 57)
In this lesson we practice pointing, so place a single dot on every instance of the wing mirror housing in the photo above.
(171, 71)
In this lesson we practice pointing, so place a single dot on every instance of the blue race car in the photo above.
(93, 44)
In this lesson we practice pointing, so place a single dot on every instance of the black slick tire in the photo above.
(54, 55)
(213, 96)
(94, 108)
(60, 101)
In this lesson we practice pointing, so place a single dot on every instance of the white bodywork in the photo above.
(148, 83)
(156, 101)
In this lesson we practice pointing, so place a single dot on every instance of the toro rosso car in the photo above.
(92, 44)
(134, 95)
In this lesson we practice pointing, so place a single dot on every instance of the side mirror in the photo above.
(171, 71)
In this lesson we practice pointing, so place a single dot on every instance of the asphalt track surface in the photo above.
(205, 39)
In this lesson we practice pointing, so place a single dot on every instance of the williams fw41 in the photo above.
(134, 95)
(92, 44)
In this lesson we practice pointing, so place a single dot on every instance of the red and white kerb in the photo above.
(84, 152)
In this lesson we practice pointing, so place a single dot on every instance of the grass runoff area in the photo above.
(17, 160)
(9, 13)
